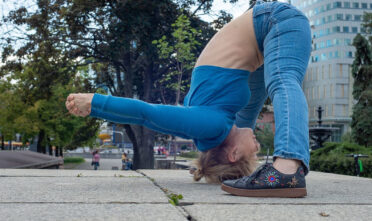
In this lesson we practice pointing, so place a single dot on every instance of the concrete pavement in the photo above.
(143, 195)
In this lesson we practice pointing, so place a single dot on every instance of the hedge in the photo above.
(332, 159)
(191, 154)
(73, 160)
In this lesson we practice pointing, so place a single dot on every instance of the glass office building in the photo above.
(328, 81)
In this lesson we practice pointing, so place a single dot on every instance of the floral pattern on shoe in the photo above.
(267, 177)
(272, 178)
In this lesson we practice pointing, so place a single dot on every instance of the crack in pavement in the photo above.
(179, 207)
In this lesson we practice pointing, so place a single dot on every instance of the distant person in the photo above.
(262, 53)
(129, 164)
(124, 159)
(95, 159)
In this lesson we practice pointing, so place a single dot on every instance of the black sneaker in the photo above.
(266, 181)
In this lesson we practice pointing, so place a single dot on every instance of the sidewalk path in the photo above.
(105, 164)
(142, 195)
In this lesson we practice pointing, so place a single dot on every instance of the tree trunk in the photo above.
(50, 150)
(61, 152)
(144, 152)
(40, 139)
(57, 153)
(2, 142)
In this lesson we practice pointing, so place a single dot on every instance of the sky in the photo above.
(235, 9)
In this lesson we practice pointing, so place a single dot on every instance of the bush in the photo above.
(332, 159)
(265, 137)
(191, 154)
(73, 160)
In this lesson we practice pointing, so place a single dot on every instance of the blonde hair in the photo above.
(215, 166)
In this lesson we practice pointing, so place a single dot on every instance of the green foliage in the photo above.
(180, 49)
(347, 138)
(266, 139)
(174, 198)
(332, 159)
(76, 160)
(362, 89)
(115, 39)
(191, 154)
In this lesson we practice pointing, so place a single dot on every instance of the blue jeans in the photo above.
(283, 37)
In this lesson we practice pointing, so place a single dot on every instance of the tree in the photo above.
(115, 37)
(43, 78)
(362, 89)
(10, 109)
(181, 52)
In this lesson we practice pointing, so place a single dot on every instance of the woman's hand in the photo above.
(79, 104)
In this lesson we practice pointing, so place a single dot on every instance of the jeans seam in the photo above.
(285, 89)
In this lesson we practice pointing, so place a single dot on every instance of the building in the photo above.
(328, 81)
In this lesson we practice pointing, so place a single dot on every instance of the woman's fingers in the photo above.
(70, 97)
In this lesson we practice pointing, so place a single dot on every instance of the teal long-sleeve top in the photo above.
(216, 95)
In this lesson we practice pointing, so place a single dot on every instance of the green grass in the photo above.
(76, 160)
(191, 154)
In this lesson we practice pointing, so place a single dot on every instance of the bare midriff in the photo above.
(234, 46)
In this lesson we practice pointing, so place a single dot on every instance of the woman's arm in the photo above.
(197, 122)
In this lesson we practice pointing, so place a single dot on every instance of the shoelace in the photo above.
(259, 170)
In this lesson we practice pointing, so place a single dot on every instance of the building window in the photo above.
(333, 110)
(331, 91)
(314, 112)
(349, 54)
(339, 17)
(329, 18)
(326, 111)
(329, 71)
(337, 54)
(316, 72)
(308, 93)
(370, 6)
(340, 73)
(322, 72)
(342, 90)
(348, 17)
(344, 110)
(336, 4)
(318, 91)
(364, 5)
(357, 17)
(346, 4)
(329, 7)
(355, 4)
(312, 93)
(324, 91)
(347, 42)
(345, 29)
(329, 43)
(323, 57)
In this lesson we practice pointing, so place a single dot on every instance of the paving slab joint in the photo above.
(172, 197)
